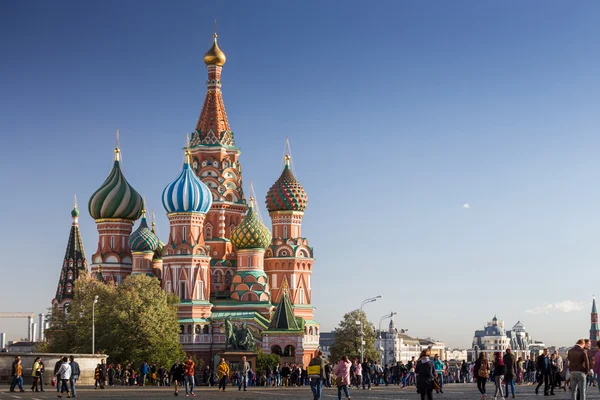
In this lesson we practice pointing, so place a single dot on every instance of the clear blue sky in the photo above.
(398, 113)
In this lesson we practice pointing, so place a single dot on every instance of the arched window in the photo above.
(228, 278)
(205, 330)
(208, 232)
(197, 329)
(112, 242)
(285, 232)
(218, 277)
(276, 350)
(189, 329)
(181, 329)
(184, 234)
(310, 330)
(289, 351)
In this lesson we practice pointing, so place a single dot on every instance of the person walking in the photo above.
(17, 374)
(64, 373)
(439, 372)
(222, 374)
(366, 373)
(544, 367)
(188, 376)
(176, 375)
(243, 368)
(75, 372)
(558, 367)
(41, 376)
(316, 373)
(342, 373)
(357, 373)
(35, 375)
(579, 366)
(481, 370)
(499, 371)
(510, 365)
(597, 365)
(425, 371)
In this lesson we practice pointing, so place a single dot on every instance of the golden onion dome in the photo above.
(215, 56)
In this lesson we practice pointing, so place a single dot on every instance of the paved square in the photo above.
(451, 392)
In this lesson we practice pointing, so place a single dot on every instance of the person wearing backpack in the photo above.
(316, 373)
(482, 371)
(425, 371)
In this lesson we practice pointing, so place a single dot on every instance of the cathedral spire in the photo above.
(74, 263)
(212, 128)
(594, 329)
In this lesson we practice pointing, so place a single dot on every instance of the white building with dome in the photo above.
(495, 338)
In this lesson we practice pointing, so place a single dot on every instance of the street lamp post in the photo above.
(382, 349)
(362, 335)
(94, 325)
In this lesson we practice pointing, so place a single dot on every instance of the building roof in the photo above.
(74, 263)
(116, 198)
(284, 319)
(187, 193)
(251, 233)
(286, 194)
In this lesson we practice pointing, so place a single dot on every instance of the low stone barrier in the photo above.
(87, 364)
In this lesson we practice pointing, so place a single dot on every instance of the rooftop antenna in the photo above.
(117, 150)
(254, 203)
(287, 155)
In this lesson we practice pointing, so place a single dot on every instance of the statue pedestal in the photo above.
(234, 357)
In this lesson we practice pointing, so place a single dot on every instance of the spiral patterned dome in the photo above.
(251, 233)
(116, 198)
(143, 239)
(187, 193)
(286, 194)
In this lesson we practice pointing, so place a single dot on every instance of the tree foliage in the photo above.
(135, 321)
(263, 360)
(346, 339)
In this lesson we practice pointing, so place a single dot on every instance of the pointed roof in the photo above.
(284, 319)
(213, 127)
(74, 262)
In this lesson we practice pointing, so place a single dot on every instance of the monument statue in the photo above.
(238, 338)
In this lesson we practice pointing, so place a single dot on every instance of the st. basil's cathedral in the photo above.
(219, 259)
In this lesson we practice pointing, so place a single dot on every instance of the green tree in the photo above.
(346, 339)
(135, 321)
(263, 360)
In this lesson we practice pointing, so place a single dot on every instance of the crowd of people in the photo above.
(426, 373)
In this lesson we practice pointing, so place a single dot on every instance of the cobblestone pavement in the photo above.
(451, 392)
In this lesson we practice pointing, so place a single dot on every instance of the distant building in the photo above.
(494, 338)
(395, 345)
(21, 347)
(325, 340)
(456, 354)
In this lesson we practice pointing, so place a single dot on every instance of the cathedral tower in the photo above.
(594, 330)
(143, 244)
(185, 257)
(289, 258)
(250, 284)
(74, 264)
(115, 206)
(215, 162)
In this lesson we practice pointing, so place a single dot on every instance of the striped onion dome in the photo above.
(143, 239)
(187, 193)
(116, 198)
(286, 194)
(250, 233)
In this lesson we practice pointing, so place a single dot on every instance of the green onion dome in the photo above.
(75, 212)
(286, 194)
(143, 239)
(250, 233)
(116, 198)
